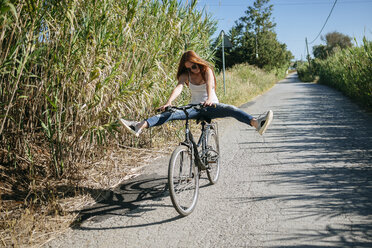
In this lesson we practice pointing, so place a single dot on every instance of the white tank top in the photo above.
(199, 93)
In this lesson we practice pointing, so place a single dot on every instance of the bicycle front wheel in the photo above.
(213, 156)
(183, 180)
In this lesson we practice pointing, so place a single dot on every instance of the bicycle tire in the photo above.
(213, 156)
(183, 180)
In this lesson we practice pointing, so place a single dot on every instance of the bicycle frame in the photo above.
(187, 162)
(190, 142)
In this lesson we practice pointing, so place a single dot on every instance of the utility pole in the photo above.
(256, 48)
(308, 55)
(223, 60)
(225, 43)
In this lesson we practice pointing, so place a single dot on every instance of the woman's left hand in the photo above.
(207, 103)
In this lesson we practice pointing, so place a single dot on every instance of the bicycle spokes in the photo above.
(212, 156)
(183, 180)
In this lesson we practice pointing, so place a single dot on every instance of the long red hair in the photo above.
(192, 57)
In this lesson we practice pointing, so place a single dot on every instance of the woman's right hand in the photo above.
(162, 108)
(176, 91)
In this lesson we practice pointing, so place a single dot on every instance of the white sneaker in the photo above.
(264, 122)
(131, 126)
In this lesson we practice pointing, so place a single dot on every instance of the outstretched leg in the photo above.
(224, 110)
(136, 127)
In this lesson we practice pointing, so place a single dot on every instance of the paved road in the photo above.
(306, 183)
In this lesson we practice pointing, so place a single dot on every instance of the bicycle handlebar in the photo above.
(188, 106)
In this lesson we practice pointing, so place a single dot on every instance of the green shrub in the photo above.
(304, 72)
(350, 71)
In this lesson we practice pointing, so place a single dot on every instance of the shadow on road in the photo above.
(133, 198)
(128, 198)
(328, 193)
(327, 143)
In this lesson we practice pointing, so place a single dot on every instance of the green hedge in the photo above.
(304, 72)
(348, 70)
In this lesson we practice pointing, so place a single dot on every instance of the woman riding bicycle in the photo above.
(198, 75)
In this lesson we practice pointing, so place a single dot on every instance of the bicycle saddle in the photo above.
(203, 118)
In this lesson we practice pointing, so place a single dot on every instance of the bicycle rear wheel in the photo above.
(183, 180)
(213, 156)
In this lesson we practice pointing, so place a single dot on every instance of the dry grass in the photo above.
(32, 227)
(24, 225)
(31, 216)
(243, 83)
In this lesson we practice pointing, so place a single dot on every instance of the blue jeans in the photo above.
(220, 111)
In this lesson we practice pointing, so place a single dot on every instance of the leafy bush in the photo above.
(350, 71)
(304, 72)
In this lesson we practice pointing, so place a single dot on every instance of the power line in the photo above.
(321, 3)
(324, 22)
(282, 4)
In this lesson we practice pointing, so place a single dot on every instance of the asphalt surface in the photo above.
(306, 183)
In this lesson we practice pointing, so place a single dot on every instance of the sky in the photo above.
(299, 19)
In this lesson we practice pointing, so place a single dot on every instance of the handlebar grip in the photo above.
(168, 108)
(214, 105)
(195, 106)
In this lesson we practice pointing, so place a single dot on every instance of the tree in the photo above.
(334, 41)
(258, 17)
(255, 41)
(320, 52)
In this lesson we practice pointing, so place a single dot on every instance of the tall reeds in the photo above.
(69, 69)
(348, 70)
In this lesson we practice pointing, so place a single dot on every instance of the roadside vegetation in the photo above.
(254, 41)
(346, 68)
(243, 83)
(68, 70)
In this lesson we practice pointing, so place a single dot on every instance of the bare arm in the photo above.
(175, 93)
(210, 86)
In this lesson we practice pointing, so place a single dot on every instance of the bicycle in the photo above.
(189, 159)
